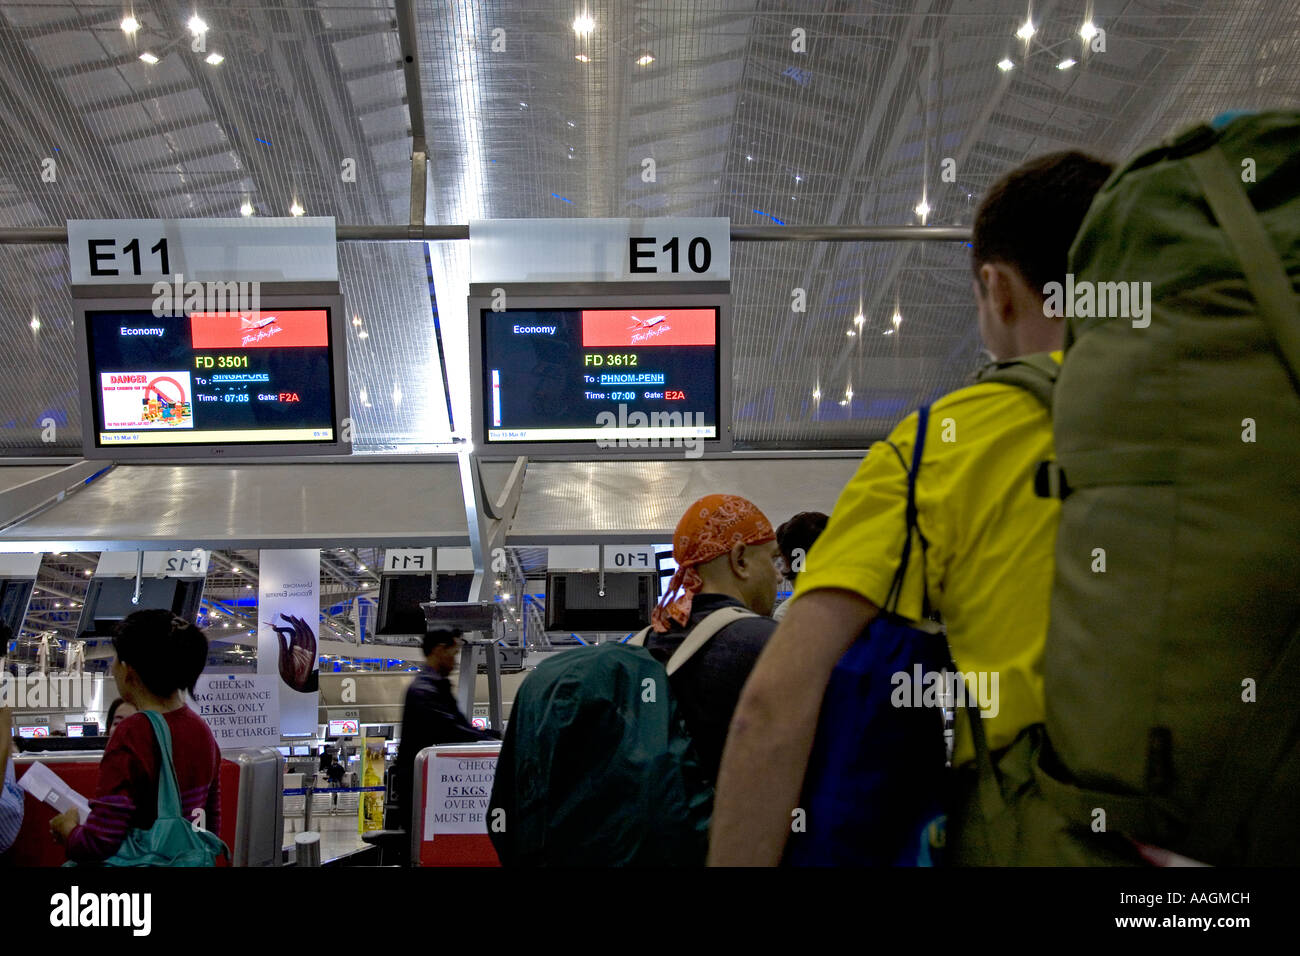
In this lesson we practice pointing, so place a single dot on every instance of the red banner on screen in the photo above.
(640, 328)
(289, 328)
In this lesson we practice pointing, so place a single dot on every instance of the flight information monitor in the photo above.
(593, 375)
(211, 382)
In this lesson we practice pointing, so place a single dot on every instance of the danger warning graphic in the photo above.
(146, 399)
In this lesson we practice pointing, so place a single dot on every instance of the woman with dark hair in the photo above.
(118, 711)
(159, 656)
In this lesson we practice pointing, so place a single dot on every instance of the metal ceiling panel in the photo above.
(642, 501)
(850, 130)
(11, 476)
(137, 507)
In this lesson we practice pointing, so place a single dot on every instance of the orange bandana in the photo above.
(710, 528)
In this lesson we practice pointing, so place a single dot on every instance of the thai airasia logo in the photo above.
(613, 328)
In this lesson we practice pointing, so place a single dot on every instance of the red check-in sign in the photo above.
(291, 328)
(642, 328)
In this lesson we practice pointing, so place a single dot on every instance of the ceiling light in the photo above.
(362, 567)
(848, 393)
(582, 58)
(888, 332)
(923, 209)
(1066, 63)
(296, 209)
(130, 24)
(363, 334)
(645, 59)
(238, 570)
(246, 208)
(215, 59)
(859, 319)
(148, 58)
(356, 320)
(1026, 30)
(1004, 65)
(897, 320)
(89, 572)
(572, 124)
(1088, 30)
(35, 323)
(798, 178)
(749, 159)
(583, 24)
(248, 587)
(850, 333)
(197, 26)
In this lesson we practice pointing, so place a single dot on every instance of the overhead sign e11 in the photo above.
(118, 252)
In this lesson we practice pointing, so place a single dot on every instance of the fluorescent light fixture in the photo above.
(923, 209)
(645, 59)
(582, 58)
(583, 24)
(148, 58)
(35, 323)
(246, 208)
(850, 333)
(197, 26)
(216, 59)
(1026, 30)
(897, 320)
(130, 24)
(1004, 65)
(296, 209)
(363, 334)
(1088, 30)
(1066, 63)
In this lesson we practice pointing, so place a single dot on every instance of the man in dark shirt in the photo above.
(430, 715)
(726, 554)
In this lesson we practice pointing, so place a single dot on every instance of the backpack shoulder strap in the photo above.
(639, 638)
(703, 632)
(1036, 374)
(169, 797)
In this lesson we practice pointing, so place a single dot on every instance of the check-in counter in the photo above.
(252, 815)
(453, 784)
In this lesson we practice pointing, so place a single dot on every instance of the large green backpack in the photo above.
(596, 768)
(1171, 667)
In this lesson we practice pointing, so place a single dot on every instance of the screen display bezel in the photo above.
(90, 412)
(619, 296)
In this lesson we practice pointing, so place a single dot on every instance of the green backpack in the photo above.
(172, 840)
(596, 768)
(1171, 663)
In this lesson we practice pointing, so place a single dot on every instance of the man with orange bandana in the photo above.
(726, 556)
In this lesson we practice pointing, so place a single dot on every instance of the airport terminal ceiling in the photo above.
(291, 97)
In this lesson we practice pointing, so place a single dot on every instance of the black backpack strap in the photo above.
(896, 586)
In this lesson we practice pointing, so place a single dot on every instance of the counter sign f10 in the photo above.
(588, 373)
